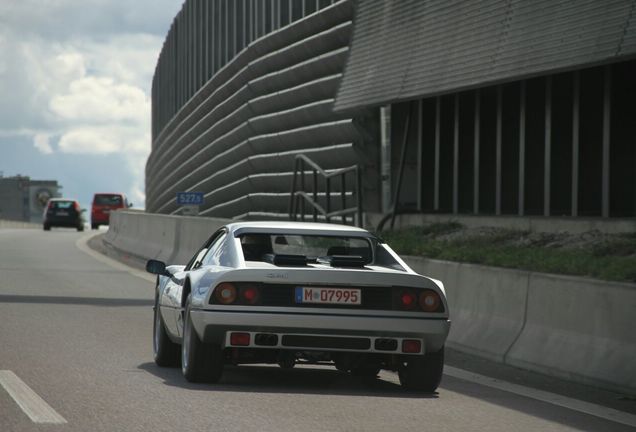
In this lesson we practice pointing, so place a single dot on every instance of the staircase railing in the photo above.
(299, 198)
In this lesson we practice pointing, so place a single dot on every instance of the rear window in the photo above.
(61, 204)
(255, 246)
(108, 200)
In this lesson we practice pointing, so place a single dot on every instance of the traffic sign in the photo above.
(189, 198)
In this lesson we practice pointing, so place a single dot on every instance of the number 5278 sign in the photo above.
(189, 198)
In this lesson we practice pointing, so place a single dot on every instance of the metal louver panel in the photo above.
(406, 49)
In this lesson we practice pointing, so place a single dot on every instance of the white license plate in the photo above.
(325, 295)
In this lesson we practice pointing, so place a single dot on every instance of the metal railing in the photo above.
(300, 198)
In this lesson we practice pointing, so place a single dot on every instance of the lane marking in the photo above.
(606, 413)
(28, 400)
(82, 244)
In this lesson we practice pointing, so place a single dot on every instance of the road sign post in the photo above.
(189, 202)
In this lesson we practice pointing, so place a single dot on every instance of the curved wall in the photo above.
(235, 138)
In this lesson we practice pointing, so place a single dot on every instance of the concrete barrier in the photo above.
(172, 239)
(191, 233)
(575, 328)
(487, 307)
(579, 329)
(18, 224)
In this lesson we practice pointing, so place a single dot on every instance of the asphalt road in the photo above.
(76, 331)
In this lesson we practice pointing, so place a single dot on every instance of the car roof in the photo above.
(62, 199)
(288, 227)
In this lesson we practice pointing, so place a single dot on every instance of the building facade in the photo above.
(491, 107)
(23, 199)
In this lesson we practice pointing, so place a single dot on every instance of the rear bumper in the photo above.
(62, 221)
(213, 327)
(100, 218)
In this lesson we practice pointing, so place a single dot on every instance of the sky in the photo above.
(75, 80)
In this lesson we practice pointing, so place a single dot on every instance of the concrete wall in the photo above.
(18, 224)
(575, 328)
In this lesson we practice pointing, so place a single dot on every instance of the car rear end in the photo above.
(103, 204)
(360, 320)
(63, 213)
(366, 311)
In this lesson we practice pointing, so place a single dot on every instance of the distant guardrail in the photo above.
(570, 327)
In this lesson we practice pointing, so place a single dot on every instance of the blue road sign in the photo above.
(189, 198)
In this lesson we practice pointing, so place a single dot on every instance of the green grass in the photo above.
(613, 260)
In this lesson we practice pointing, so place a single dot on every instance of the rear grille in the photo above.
(326, 342)
(374, 298)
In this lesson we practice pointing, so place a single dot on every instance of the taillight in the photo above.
(417, 299)
(50, 205)
(225, 293)
(429, 301)
(250, 294)
(408, 300)
(76, 206)
(240, 339)
(411, 346)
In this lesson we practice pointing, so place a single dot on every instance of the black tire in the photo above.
(367, 370)
(47, 227)
(80, 227)
(94, 226)
(200, 362)
(423, 373)
(165, 352)
(287, 360)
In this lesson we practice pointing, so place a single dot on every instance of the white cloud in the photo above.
(81, 70)
(100, 100)
(41, 142)
(104, 140)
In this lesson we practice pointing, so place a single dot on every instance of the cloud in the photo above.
(75, 77)
(41, 142)
(100, 100)
(105, 139)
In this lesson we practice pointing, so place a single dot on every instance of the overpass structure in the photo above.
(494, 107)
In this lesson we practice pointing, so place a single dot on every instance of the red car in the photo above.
(103, 204)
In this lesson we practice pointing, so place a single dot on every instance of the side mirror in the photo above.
(83, 210)
(130, 205)
(157, 267)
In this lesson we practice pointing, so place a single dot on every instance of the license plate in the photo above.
(325, 295)
(62, 213)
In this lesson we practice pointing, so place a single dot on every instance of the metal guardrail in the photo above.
(300, 198)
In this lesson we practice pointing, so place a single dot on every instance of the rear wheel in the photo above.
(423, 373)
(80, 227)
(166, 353)
(200, 362)
(47, 227)
(94, 226)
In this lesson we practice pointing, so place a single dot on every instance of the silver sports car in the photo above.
(288, 292)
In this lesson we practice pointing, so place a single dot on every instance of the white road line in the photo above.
(32, 404)
(544, 396)
(82, 244)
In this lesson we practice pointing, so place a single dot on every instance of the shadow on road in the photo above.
(300, 380)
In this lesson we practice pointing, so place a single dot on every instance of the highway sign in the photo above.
(189, 198)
